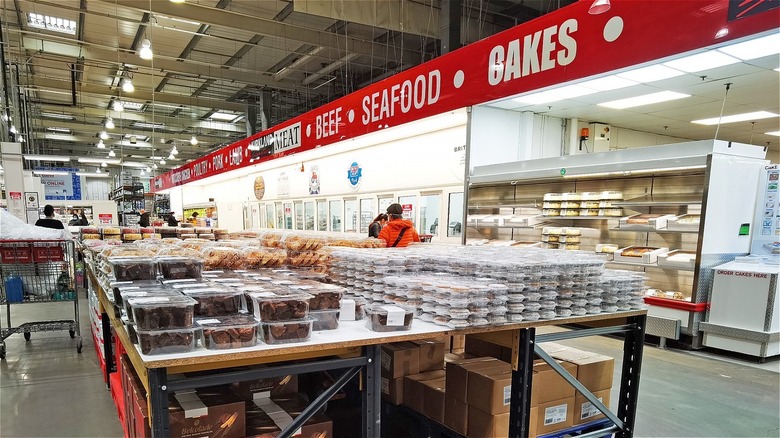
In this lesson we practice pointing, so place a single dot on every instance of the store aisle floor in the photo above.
(48, 390)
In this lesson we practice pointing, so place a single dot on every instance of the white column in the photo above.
(14, 178)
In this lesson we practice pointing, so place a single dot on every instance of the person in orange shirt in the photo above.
(398, 232)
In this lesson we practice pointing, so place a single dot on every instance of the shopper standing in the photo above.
(144, 220)
(398, 232)
(49, 221)
(194, 219)
(172, 221)
(376, 225)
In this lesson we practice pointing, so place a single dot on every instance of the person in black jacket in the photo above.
(376, 226)
(172, 221)
(49, 222)
(144, 220)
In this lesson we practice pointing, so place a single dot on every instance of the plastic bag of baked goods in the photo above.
(259, 257)
(126, 251)
(302, 242)
(308, 258)
(218, 257)
(179, 252)
(271, 239)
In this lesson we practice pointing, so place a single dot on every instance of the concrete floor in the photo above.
(48, 390)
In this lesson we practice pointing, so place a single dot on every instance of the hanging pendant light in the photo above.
(111, 153)
(162, 160)
(118, 106)
(146, 50)
(142, 172)
(194, 141)
(103, 135)
(599, 7)
(101, 145)
(174, 151)
(154, 166)
(127, 85)
(98, 170)
(110, 123)
(103, 164)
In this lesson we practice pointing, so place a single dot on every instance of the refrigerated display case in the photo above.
(648, 201)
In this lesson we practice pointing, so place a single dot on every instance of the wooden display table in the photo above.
(356, 348)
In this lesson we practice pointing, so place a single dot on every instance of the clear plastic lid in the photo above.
(270, 306)
(162, 312)
(178, 267)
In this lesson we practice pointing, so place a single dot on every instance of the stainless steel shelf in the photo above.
(660, 201)
(579, 218)
(518, 203)
(648, 265)
(661, 231)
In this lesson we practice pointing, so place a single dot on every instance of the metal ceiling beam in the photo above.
(40, 84)
(265, 26)
(92, 130)
(328, 68)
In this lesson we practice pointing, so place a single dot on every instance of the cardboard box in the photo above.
(490, 390)
(483, 425)
(431, 355)
(458, 343)
(594, 371)
(270, 387)
(415, 384)
(480, 348)
(533, 422)
(456, 357)
(434, 393)
(456, 414)
(393, 390)
(400, 359)
(265, 418)
(447, 344)
(457, 375)
(584, 411)
(141, 428)
(555, 415)
(207, 412)
(548, 385)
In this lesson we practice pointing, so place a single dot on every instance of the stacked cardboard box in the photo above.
(267, 416)
(405, 359)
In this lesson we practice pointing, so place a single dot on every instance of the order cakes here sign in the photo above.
(565, 45)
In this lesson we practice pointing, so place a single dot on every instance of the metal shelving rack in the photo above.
(37, 272)
(129, 199)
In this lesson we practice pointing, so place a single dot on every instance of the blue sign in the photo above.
(63, 186)
(354, 174)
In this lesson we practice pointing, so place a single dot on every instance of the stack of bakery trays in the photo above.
(283, 314)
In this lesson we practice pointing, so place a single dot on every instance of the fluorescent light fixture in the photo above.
(117, 106)
(111, 153)
(146, 50)
(647, 99)
(554, 95)
(58, 129)
(757, 48)
(109, 123)
(103, 135)
(223, 116)
(135, 138)
(134, 164)
(49, 172)
(47, 158)
(177, 1)
(650, 74)
(127, 85)
(775, 133)
(148, 125)
(702, 61)
(608, 83)
(55, 24)
(97, 174)
(98, 160)
(633, 172)
(101, 145)
(194, 141)
(134, 106)
(758, 115)
(57, 116)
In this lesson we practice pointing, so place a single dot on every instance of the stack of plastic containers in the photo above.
(164, 324)
(283, 315)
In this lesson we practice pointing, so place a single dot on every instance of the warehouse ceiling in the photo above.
(216, 64)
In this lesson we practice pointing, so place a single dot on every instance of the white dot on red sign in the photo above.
(458, 79)
(308, 130)
(351, 115)
(613, 29)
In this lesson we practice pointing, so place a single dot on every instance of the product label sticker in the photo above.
(507, 395)
(135, 293)
(129, 288)
(555, 414)
(208, 321)
(386, 360)
(150, 300)
(589, 410)
(190, 286)
(395, 316)
(385, 385)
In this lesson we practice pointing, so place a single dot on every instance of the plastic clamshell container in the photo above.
(178, 267)
(119, 287)
(686, 222)
(323, 296)
(182, 340)
(133, 268)
(325, 319)
(162, 312)
(216, 301)
(271, 306)
(228, 332)
(678, 259)
(645, 221)
(286, 332)
(143, 293)
(643, 255)
(388, 318)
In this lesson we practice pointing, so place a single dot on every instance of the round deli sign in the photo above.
(259, 188)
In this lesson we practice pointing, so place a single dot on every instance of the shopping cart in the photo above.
(35, 272)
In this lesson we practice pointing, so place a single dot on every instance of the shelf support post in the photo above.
(520, 400)
(158, 402)
(633, 345)
(372, 391)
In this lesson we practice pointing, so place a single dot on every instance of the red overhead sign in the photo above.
(558, 47)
